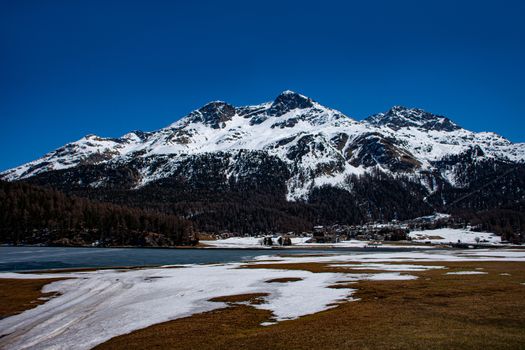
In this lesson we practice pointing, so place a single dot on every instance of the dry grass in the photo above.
(252, 298)
(284, 280)
(212, 330)
(17, 295)
(206, 237)
(301, 256)
(436, 311)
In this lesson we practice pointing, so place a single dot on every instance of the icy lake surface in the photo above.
(42, 258)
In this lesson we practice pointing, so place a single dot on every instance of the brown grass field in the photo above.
(284, 280)
(17, 295)
(436, 311)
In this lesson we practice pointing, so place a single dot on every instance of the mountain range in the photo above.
(294, 161)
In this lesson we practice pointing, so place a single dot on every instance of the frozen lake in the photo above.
(41, 258)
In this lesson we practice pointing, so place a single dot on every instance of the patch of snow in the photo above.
(297, 242)
(389, 267)
(235, 242)
(466, 273)
(413, 256)
(450, 235)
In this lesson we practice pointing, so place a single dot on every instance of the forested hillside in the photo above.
(31, 215)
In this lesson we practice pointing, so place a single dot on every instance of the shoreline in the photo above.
(276, 251)
(317, 246)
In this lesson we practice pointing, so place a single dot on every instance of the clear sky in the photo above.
(71, 68)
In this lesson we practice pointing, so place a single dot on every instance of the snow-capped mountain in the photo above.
(308, 144)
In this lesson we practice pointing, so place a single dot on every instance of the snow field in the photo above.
(447, 235)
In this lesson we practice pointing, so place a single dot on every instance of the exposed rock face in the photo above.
(214, 114)
(288, 101)
(372, 149)
(401, 117)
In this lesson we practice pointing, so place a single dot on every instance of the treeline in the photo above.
(493, 200)
(31, 215)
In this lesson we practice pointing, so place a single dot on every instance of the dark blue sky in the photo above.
(70, 68)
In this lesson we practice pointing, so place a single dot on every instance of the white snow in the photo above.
(500, 253)
(433, 217)
(297, 242)
(450, 235)
(413, 256)
(234, 242)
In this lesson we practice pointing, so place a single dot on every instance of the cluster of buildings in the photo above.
(371, 232)
(368, 232)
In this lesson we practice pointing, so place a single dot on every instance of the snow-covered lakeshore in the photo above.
(437, 236)
(297, 242)
(98, 305)
(449, 235)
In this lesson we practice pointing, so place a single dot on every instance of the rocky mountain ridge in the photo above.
(311, 145)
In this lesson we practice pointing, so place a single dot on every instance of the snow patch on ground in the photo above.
(255, 242)
(389, 267)
(235, 242)
(414, 256)
(466, 273)
(297, 242)
(447, 235)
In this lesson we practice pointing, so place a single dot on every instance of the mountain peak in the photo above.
(214, 114)
(400, 117)
(287, 101)
(214, 106)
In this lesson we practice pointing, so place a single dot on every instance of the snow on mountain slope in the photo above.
(319, 145)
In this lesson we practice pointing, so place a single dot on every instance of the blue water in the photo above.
(41, 258)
